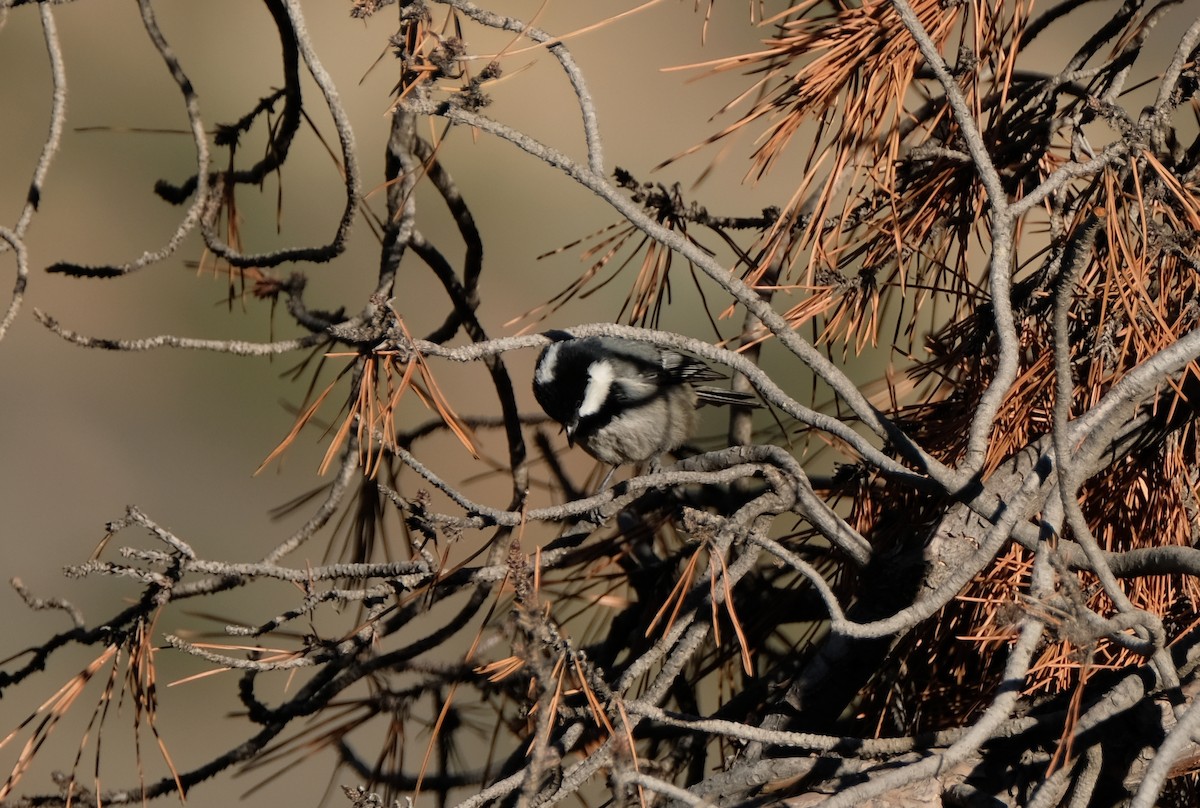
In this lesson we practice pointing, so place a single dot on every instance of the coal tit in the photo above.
(624, 401)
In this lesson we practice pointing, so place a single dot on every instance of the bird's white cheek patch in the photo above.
(600, 379)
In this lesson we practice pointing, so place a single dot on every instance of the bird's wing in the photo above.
(730, 398)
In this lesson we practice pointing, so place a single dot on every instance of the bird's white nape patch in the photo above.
(600, 379)
(545, 368)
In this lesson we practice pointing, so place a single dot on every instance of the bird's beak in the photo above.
(570, 430)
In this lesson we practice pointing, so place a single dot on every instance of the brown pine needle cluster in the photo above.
(382, 378)
(137, 683)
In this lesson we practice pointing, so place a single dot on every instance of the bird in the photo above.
(624, 401)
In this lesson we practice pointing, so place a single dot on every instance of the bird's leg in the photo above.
(607, 477)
